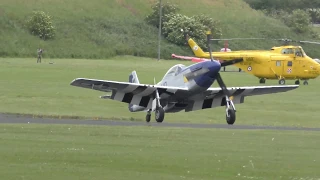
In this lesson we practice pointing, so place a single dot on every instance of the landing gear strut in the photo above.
(230, 108)
(159, 111)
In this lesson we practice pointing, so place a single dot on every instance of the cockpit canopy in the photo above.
(174, 70)
(297, 51)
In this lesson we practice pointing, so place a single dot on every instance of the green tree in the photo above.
(210, 24)
(40, 24)
(314, 14)
(178, 24)
(167, 9)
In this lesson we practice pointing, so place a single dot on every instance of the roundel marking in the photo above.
(249, 68)
(195, 48)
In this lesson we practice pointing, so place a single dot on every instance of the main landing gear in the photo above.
(230, 111)
(297, 82)
(159, 115)
(262, 81)
(230, 108)
(283, 81)
(159, 112)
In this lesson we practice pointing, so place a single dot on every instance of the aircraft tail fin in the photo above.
(196, 49)
(133, 77)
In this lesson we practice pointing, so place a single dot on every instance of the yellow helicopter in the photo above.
(282, 63)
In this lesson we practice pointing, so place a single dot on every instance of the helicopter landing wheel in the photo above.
(305, 82)
(282, 81)
(262, 81)
(297, 82)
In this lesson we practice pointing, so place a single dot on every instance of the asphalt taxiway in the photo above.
(14, 119)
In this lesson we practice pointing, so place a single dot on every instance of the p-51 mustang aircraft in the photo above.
(182, 88)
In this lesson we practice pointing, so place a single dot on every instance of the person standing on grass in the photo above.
(39, 55)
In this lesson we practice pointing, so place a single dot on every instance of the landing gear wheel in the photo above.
(282, 81)
(159, 114)
(262, 81)
(297, 82)
(305, 82)
(148, 117)
(232, 116)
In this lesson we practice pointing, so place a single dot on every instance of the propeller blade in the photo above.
(231, 62)
(222, 85)
(208, 42)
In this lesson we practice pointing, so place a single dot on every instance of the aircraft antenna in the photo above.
(159, 35)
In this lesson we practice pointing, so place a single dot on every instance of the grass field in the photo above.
(97, 152)
(43, 89)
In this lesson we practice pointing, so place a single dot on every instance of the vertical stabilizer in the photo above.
(133, 77)
(196, 49)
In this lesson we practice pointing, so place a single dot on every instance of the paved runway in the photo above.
(13, 119)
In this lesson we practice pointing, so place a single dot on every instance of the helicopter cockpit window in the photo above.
(287, 51)
(278, 63)
(298, 52)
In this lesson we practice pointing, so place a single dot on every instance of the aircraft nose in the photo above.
(214, 67)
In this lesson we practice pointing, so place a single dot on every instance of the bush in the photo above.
(172, 30)
(39, 24)
(167, 9)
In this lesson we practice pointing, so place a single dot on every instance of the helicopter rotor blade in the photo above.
(230, 39)
(310, 42)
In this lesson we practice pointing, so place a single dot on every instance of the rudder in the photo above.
(196, 49)
(133, 78)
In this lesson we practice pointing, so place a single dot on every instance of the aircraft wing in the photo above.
(143, 94)
(131, 93)
(214, 97)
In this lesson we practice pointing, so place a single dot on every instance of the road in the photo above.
(13, 119)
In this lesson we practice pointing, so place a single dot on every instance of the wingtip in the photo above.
(73, 82)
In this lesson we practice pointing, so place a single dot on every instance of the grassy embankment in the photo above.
(43, 89)
(101, 29)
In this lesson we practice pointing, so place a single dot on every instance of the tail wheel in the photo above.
(159, 114)
(148, 117)
(231, 116)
